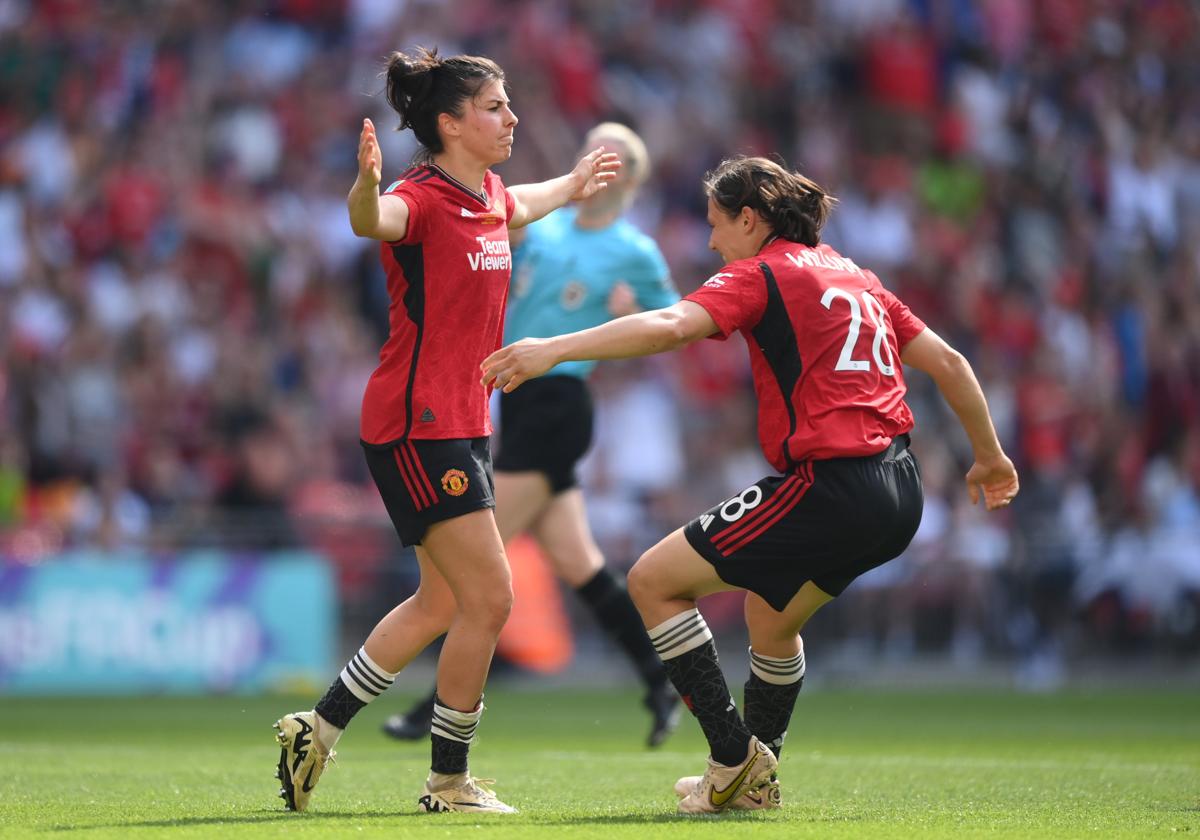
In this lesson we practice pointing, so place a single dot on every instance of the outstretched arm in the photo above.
(992, 473)
(590, 175)
(643, 334)
(373, 215)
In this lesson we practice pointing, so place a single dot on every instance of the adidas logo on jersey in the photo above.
(467, 214)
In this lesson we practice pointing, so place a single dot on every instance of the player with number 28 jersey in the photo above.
(826, 344)
(824, 338)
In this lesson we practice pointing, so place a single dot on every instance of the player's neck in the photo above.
(465, 170)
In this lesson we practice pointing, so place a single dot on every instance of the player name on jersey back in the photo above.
(813, 258)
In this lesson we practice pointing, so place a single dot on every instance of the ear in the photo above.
(448, 126)
(748, 219)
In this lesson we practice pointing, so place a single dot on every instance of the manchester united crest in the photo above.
(455, 482)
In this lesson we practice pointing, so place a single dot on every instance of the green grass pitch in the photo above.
(857, 764)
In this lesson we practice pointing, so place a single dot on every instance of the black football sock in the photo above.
(451, 734)
(685, 644)
(360, 682)
(770, 696)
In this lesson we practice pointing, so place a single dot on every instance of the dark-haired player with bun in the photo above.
(578, 267)
(443, 231)
(827, 342)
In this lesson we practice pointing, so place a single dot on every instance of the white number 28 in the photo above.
(879, 347)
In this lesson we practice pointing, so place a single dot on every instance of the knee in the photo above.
(641, 584)
(488, 606)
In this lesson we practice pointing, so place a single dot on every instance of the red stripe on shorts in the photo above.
(414, 491)
(793, 500)
(419, 468)
(748, 521)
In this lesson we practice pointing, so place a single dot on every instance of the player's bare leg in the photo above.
(520, 499)
(307, 739)
(665, 584)
(469, 553)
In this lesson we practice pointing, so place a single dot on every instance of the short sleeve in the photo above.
(510, 205)
(907, 325)
(418, 220)
(735, 297)
(650, 279)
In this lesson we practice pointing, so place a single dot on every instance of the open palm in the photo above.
(594, 171)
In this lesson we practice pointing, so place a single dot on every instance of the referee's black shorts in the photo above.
(546, 427)
(828, 522)
(427, 481)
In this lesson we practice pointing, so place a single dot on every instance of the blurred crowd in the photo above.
(187, 321)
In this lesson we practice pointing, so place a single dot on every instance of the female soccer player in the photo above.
(826, 340)
(444, 232)
(575, 269)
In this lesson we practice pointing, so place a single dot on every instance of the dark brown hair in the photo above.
(422, 86)
(795, 207)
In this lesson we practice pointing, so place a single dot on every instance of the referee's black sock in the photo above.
(771, 694)
(685, 644)
(610, 603)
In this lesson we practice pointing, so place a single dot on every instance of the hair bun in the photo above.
(410, 81)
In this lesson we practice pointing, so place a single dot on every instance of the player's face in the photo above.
(487, 124)
(732, 237)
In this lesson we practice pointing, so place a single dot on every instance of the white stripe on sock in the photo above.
(679, 634)
(778, 671)
(364, 678)
(455, 725)
(380, 673)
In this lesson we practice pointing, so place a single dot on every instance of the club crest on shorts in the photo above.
(455, 482)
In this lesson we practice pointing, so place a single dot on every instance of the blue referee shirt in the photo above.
(563, 275)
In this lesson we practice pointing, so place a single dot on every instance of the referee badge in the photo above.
(572, 295)
(455, 482)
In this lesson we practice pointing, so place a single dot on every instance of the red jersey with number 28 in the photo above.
(447, 283)
(825, 339)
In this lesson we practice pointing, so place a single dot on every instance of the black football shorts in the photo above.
(427, 481)
(546, 427)
(827, 521)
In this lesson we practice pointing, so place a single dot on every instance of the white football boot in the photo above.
(461, 792)
(767, 797)
(301, 761)
(721, 785)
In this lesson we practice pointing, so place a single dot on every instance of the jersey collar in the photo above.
(454, 182)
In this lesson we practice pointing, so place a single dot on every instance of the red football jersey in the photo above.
(448, 284)
(824, 338)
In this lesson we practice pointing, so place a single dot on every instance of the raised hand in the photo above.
(593, 172)
(370, 159)
(995, 479)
